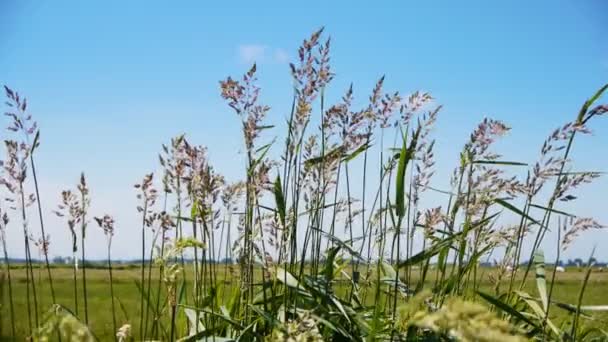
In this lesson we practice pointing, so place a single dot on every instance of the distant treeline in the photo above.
(134, 263)
(92, 263)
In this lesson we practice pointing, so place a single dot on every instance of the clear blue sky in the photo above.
(109, 81)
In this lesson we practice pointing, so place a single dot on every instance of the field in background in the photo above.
(567, 288)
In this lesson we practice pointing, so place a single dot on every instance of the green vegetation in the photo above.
(126, 291)
(325, 248)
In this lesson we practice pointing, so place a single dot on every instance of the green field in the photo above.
(567, 287)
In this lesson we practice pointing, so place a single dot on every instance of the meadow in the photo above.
(127, 292)
(327, 245)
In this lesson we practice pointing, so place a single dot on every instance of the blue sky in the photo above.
(110, 81)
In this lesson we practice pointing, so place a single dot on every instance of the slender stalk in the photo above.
(149, 283)
(335, 209)
(155, 325)
(75, 278)
(179, 232)
(228, 252)
(10, 287)
(350, 228)
(2, 305)
(111, 286)
(30, 280)
(547, 216)
(409, 232)
(555, 264)
(173, 307)
(363, 184)
(388, 213)
(84, 263)
(44, 240)
(322, 186)
(519, 241)
(581, 293)
(143, 269)
(197, 279)
(379, 231)
(396, 239)
(27, 284)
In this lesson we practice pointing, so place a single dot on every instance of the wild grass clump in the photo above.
(319, 244)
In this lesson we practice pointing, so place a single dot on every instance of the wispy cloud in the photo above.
(281, 56)
(257, 53)
(251, 53)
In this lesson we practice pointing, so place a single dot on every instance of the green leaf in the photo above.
(481, 223)
(264, 149)
(463, 240)
(261, 297)
(343, 244)
(194, 318)
(325, 322)
(572, 308)
(36, 142)
(574, 173)
(552, 210)
(264, 127)
(340, 307)
(514, 209)
(541, 282)
(307, 212)
(538, 311)
(268, 317)
(593, 307)
(441, 259)
(589, 102)
(506, 308)
(499, 162)
(388, 270)
(400, 190)
(279, 198)
(581, 293)
(194, 210)
(61, 322)
(289, 280)
(405, 156)
(356, 152)
(328, 269)
(338, 151)
(455, 280)
(429, 252)
(123, 308)
(199, 338)
(222, 316)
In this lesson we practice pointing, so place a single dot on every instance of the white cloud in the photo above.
(251, 53)
(257, 53)
(281, 56)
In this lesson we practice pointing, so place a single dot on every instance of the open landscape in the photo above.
(567, 286)
(336, 220)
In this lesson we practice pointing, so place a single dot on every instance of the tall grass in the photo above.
(106, 223)
(310, 261)
(71, 209)
(7, 264)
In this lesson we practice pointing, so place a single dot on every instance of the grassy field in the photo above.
(567, 287)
